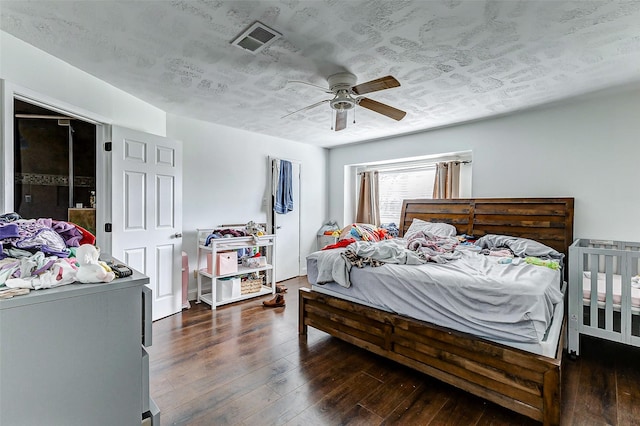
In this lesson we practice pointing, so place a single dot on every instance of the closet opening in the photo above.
(54, 166)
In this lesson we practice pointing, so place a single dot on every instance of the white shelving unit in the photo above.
(207, 281)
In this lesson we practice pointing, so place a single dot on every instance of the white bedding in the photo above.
(616, 289)
(474, 294)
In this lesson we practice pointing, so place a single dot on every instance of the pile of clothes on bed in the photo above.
(359, 232)
(39, 253)
(422, 243)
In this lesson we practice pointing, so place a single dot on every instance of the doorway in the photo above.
(286, 227)
(102, 155)
(54, 166)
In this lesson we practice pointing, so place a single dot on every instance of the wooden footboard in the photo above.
(518, 380)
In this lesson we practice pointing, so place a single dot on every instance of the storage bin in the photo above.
(254, 262)
(226, 262)
(325, 240)
(251, 285)
(227, 288)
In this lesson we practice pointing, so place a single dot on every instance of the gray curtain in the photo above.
(447, 180)
(368, 210)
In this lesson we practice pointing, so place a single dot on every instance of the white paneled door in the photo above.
(147, 212)
(287, 230)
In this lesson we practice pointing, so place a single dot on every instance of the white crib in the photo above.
(604, 292)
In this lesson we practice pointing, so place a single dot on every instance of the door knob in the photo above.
(177, 235)
(278, 227)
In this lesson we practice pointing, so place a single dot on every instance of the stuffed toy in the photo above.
(90, 269)
(255, 230)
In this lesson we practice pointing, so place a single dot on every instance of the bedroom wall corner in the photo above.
(585, 148)
(28, 67)
(224, 180)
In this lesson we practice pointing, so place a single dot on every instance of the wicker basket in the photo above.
(250, 285)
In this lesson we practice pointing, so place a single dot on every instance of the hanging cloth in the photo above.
(368, 208)
(275, 177)
(447, 180)
(284, 194)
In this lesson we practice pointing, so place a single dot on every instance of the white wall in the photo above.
(225, 170)
(587, 149)
(33, 74)
(225, 178)
(23, 65)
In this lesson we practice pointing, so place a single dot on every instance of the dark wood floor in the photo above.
(246, 365)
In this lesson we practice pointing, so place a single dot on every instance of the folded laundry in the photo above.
(9, 230)
(8, 293)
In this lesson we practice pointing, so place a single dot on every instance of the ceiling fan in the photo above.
(346, 95)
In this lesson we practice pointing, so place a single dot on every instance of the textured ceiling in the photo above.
(456, 60)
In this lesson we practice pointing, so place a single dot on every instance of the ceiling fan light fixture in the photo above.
(342, 81)
(346, 95)
(343, 101)
(256, 38)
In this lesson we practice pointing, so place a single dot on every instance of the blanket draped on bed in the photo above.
(432, 247)
(335, 264)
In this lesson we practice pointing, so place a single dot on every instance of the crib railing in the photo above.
(602, 301)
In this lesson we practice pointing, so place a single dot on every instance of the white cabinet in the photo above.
(75, 355)
(210, 279)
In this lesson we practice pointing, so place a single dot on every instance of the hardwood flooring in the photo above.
(244, 364)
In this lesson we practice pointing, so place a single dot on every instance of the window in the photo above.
(394, 186)
(403, 179)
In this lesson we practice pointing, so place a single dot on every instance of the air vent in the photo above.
(257, 37)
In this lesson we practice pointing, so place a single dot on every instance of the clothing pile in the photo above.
(511, 249)
(363, 232)
(433, 248)
(224, 233)
(39, 253)
(392, 229)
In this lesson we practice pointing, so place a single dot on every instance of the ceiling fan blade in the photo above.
(381, 108)
(324, 89)
(341, 120)
(374, 85)
(306, 108)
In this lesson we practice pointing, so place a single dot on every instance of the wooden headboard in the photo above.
(547, 220)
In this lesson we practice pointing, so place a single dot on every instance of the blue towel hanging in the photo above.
(284, 195)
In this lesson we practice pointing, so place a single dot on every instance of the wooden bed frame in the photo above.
(521, 381)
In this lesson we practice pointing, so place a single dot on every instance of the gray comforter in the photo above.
(333, 265)
(474, 293)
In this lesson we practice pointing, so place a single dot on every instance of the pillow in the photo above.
(437, 229)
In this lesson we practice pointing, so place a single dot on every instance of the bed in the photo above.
(517, 378)
(604, 296)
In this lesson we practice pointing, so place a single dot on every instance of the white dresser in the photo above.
(75, 355)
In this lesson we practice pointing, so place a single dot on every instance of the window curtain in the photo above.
(447, 180)
(368, 210)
